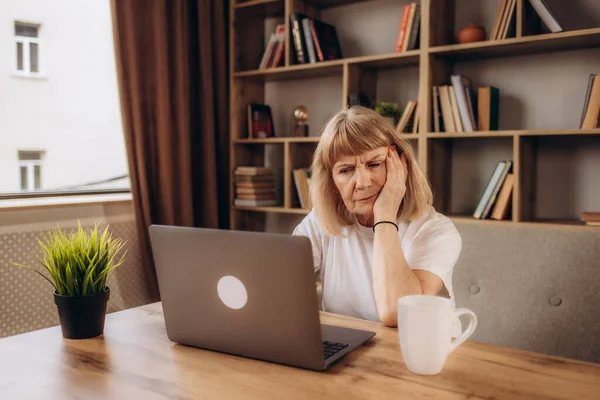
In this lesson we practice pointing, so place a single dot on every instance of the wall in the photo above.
(26, 301)
(71, 111)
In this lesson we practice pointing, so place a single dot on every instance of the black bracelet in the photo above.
(384, 222)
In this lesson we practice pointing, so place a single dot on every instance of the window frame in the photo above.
(26, 42)
(30, 166)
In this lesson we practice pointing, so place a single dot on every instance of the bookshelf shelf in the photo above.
(260, 8)
(515, 133)
(280, 210)
(325, 4)
(310, 139)
(332, 68)
(457, 169)
(535, 44)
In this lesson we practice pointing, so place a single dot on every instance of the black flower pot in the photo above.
(82, 317)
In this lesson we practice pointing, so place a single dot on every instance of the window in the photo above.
(30, 170)
(27, 49)
(61, 135)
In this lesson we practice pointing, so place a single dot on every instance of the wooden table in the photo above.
(135, 360)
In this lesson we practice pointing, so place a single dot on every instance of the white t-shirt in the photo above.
(431, 243)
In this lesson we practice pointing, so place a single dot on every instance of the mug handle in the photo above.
(470, 328)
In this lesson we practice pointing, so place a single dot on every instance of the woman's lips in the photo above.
(367, 198)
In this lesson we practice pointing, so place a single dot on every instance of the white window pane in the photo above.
(37, 176)
(23, 178)
(33, 57)
(19, 56)
(26, 30)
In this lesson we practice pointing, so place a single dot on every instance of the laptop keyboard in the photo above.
(331, 348)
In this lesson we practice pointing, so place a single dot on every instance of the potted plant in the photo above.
(389, 110)
(77, 266)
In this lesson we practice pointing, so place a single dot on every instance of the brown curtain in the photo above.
(172, 72)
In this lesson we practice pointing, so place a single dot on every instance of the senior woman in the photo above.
(375, 235)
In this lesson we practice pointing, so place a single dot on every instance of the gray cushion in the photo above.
(532, 288)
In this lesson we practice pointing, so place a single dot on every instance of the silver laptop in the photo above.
(250, 294)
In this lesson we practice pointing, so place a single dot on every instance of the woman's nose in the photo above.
(363, 178)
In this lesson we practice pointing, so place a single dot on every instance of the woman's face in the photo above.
(359, 179)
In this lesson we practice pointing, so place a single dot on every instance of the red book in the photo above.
(402, 31)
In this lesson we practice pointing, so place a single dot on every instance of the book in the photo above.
(454, 106)
(546, 15)
(497, 20)
(447, 115)
(496, 189)
(590, 216)
(488, 189)
(590, 120)
(260, 121)
(488, 103)
(254, 202)
(409, 25)
(586, 102)
(308, 40)
(511, 20)
(402, 29)
(436, 110)
(415, 122)
(327, 45)
(502, 205)
(297, 38)
(301, 181)
(414, 35)
(460, 85)
(406, 114)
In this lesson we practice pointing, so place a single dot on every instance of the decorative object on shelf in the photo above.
(359, 99)
(78, 266)
(471, 33)
(260, 121)
(300, 118)
(389, 110)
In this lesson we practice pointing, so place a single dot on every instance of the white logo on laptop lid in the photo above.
(232, 292)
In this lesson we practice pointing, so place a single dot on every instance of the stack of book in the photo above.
(254, 187)
(274, 55)
(313, 40)
(591, 218)
(590, 117)
(409, 122)
(495, 199)
(408, 33)
(460, 107)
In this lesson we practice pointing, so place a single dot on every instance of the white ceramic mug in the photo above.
(425, 331)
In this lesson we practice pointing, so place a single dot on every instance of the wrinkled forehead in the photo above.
(344, 147)
(364, 157)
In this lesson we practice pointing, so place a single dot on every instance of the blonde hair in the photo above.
(352, 132)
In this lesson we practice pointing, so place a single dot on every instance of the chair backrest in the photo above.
(532, 288)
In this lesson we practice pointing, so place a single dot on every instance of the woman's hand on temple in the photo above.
(388, 202)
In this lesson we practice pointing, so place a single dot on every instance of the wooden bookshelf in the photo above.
(434, 61)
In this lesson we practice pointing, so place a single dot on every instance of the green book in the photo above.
(488, 108)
